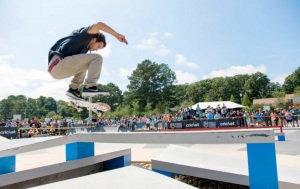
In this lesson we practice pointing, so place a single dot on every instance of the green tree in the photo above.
(297, 91)
(136, 109)
(280, 101)
(273, 87)
(32, 108)
(195, 92)
(150, 83)
(148, 109)
(257, 86)
(51, 114)
(232, 99)
(186, 103)
(246, 101)
(207, 98)
(291, 82)
(179, 94)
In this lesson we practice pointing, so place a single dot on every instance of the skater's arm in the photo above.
(94, 29)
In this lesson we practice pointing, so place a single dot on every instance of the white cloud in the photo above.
(29, 82)
(235, 70)
(185, 77)
(182, 60)
(4, 59)
(104, 71)
(106, 51)
(154, 44)
(51, 33)
(280, 78)
(168, 35)
(123, 72)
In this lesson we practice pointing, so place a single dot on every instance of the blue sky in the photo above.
(198, 39)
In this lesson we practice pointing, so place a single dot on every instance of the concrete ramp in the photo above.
(60, 171)
(229, 167)
(3, 139)
(129, 177)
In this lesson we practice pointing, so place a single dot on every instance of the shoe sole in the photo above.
(94, 93)
(73, 96)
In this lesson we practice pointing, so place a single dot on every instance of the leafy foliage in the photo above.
(150, 83)
(152, 90)
(291, 82)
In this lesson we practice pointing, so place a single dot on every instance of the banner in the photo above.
(205, 123)
(228, 122)
(193, 124)
(210, 123)
(9, 132)
(176, 125)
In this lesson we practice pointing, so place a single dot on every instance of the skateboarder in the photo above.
(67, 57)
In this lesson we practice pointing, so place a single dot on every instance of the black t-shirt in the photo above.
(76, 43)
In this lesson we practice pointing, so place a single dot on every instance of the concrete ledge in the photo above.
(21, 176)
(229, 167)
(188, 137)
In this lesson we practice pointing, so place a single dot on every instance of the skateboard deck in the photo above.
(90, 106)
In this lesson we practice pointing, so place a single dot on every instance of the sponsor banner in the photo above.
(176, 125)
(228, 122)
(9, 132)
(210, 123)
(214, 123)
(193, 124)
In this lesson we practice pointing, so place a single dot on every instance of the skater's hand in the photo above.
(122, 39)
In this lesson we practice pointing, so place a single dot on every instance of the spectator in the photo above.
(8, 123)
(188, 114)
(273, 118)
(240, 118)
(217, 115)
(295, 115)
(224, 111)
(267, 118)
(218, 109)
(198, 110)
(283, 119)
(2, 123)
(258, 116)
(247, 117)
(209, 112)
(289, 118)
(166, 119)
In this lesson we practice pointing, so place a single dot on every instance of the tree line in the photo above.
(152, 89)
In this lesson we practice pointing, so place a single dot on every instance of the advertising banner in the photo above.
(210, 123)
(228, 122)
(176, 125)
(207, 123)
(193, 124)
(9, 132)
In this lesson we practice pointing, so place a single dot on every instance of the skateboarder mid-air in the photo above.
(67, 57)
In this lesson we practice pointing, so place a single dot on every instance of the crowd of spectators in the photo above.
(259, 117)
(34, 127)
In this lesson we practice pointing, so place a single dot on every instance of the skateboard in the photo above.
(98, 106)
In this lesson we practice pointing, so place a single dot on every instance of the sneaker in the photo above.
(74, 93)
(93, 91)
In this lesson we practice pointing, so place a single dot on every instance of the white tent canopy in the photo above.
(228, 104)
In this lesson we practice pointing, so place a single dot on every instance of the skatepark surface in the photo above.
(288, 154)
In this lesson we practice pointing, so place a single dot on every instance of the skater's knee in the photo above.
(98, 58)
